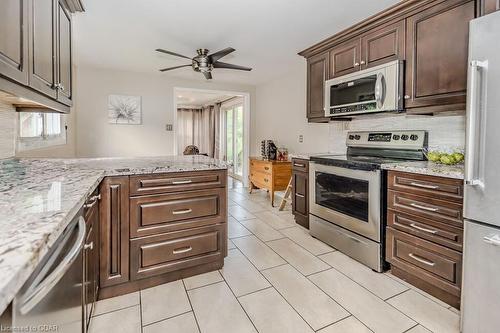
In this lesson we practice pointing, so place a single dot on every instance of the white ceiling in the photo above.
(267, 34)
(198, 98)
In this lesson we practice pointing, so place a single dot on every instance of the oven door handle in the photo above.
(36, 293)
(380, 90)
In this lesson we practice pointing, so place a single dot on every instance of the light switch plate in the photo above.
(169, 127)
(301, 138)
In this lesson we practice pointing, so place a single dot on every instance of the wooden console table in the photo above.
(270, 175)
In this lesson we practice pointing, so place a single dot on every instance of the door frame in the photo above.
(246, 122)
(225, 107)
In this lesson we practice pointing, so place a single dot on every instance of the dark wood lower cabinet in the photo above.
(114, 231)
(300, 191)
(424, 234)
(159, 228)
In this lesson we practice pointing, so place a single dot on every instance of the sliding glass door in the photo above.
(234, 139)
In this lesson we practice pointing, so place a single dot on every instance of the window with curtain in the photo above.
(199, 127)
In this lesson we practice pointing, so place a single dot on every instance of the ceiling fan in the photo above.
(204, 62)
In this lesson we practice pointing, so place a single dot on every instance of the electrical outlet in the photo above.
(169, 127)
(301, 138)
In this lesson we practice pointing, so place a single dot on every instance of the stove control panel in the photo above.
(409, 139)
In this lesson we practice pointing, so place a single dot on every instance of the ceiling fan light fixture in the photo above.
(204, 62)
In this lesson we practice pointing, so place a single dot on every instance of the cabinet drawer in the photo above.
(436, 187)
(432, 263)
(176, 182)
(168, 212)
(154, 255)
(261, 166)
(441, 233)
(261, 179)
(438, 210)
(300, 165)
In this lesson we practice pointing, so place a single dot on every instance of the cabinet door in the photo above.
(436, 54)
(383, 45)
(14, 44)
(42, 46)
(64, 60)
(317, 71)
(300, 190)
(345, 58)
(114, 231)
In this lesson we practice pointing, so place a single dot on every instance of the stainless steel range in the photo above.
(347, 192)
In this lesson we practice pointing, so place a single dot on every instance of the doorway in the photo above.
(217, 124)
(233, 136)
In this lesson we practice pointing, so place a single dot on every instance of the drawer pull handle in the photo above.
(299, 195)
(266, 180)
(432, 187)
(180, 182)
(430, 231)
(182, 250)
(493, 240)
(430, 209)
(266, 168)
(423, 261)
(182, 211)
(89, 246)
(299, 165)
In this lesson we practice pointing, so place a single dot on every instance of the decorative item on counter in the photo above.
(282, 154)
(268, 149)
(445, 155)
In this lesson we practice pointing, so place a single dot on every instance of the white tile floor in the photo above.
(277, 278)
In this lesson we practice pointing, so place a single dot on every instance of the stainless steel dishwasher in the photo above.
(52, 298)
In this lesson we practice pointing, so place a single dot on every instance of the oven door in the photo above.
(346, 197)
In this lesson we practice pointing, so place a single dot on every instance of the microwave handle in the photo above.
(380, 90)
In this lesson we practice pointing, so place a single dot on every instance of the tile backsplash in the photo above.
(444, 131)
(7, 130)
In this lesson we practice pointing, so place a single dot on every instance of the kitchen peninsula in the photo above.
(148, 208)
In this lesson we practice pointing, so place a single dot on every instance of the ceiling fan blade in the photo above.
(219, 54)
(208, 75)
(170, 68)
(172, 53)
(219, 64)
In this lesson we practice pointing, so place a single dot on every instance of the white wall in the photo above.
(95, 137)
(281, 115)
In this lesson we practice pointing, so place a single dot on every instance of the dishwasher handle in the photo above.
(36, 293)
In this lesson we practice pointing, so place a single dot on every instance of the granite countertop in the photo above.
(40, 197)
(428, 168)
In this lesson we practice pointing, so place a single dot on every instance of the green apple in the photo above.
(433, 156)
(459, 157)
(447, 159)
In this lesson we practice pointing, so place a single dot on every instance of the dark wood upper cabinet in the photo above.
(345, 58)
(436, 54)
(383, 45)
(114, 231)
(14, 44)
(64, 60)
(317, 72)
(43, 47)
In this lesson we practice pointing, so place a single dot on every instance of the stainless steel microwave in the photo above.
(376, 89)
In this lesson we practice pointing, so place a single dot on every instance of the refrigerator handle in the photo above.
(474, 107)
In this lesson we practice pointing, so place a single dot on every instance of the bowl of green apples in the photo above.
(445, 156)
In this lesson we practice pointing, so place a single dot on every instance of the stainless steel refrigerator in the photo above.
(481, 263)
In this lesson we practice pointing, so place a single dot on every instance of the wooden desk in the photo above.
(270, 175)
